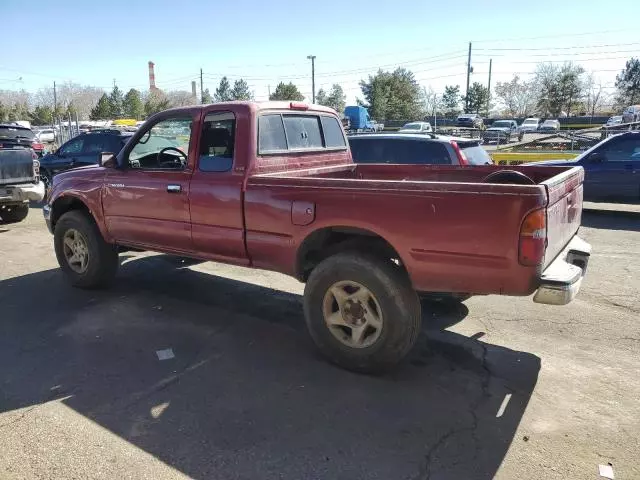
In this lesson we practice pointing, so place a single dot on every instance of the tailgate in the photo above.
(564, 210)
(16, 166)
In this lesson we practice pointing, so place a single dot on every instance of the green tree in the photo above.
(477, 98)
(321, 97)
(206, 96)
(156, 102)
(628, 83)
(3, 113)
(42, 115)
(223, 92)
(132, 104)
(559, 88)
(336, 98)
(451, 100)
(115, 102)
(102, 109)
(392, 95)
(286, 91)
(240, 91)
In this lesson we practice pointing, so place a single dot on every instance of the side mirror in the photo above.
(596, 157)
(108, 160)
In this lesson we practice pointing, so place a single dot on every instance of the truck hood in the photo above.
(498, 129)
(89, 172)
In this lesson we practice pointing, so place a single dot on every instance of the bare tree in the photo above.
(180, 98)
(594, 97)
(516, 96)
(70, 95)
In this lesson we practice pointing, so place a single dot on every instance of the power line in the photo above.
(559, 48)
(560, 35)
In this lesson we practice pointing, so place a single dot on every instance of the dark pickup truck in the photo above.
(273, 186)
(19, 175)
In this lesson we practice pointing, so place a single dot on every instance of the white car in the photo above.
(416, 127)
(46, 136)
(529, 125)
(615, 120)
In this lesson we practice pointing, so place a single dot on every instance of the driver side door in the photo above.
(146, 199)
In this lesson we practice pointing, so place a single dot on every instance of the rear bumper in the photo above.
(22, 193)
(561, 280)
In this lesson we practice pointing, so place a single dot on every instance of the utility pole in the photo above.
(201, 88)
(269, 90)
(489, 87)
(469, 70)
(313, 77)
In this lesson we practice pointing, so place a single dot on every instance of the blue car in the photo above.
(80, 151)
(612, 168)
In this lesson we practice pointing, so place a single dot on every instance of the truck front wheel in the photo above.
(86, 259)
(362, 312)
(14, 213)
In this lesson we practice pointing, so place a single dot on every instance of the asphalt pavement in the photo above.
(496, 387)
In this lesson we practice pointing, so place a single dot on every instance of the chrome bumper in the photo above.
(22, 193)
(561, 280)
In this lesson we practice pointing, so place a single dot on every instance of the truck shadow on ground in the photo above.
(611, 220)
(245, 396)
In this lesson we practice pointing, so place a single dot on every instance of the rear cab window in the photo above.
(283, 132)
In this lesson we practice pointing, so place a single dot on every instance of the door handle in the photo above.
(174, 188)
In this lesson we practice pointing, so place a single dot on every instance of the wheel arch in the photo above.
(67, 203)
(326, 241)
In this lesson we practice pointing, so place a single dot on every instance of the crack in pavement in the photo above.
(425, 472)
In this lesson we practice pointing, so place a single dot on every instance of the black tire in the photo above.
(14, 213)
(399, 305)
(103, 261)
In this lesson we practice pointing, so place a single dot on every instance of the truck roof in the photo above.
(258, 106)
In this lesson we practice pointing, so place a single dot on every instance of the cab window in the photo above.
(164, 146)
(217, 142)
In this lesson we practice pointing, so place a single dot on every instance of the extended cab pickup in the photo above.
(273, 186)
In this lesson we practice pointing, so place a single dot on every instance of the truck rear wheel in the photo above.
(14, 213)
(86, 259)
(362, 312)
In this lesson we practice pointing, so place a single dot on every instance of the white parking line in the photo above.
(503, 406)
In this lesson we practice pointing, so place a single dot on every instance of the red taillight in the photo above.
(298, 106)
(37, 146)
(533, 238)
(462, 158)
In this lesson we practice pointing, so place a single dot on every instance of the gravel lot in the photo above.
(84, 395)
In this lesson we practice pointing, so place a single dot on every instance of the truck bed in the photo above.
(463, 233)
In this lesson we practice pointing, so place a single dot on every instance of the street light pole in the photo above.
(313, 77)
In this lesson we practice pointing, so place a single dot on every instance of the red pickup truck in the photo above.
(273, 186)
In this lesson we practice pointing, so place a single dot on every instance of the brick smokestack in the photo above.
(193, 89)
(152, 77)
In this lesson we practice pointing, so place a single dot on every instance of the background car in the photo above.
(501, 131)
(46, 135)
(529, 125)
(15, 135)
(471, 120)
(615, 120)
(631, 114)
(416, 127)
(417, 149)
(81, 151)
(549, 126)
(612, 168)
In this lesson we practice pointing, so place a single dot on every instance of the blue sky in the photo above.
(266, 42)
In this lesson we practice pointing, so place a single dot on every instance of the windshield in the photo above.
(501, 123)
(412, 126)
(13, 132)
(529, 121)
(549, 122)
